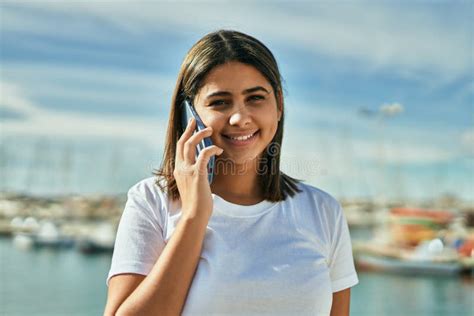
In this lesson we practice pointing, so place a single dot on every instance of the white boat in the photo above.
(49, 235)
(23, 241)
(387, 264)
(429, 257)
(100, 239)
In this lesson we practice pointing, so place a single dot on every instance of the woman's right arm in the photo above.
(164, 290)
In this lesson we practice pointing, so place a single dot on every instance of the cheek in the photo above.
(212, 120)
(271, 124)
(217, 123)
(273, 130)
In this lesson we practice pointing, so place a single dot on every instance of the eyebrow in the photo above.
(246, 91)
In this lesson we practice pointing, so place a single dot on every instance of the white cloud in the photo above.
(337, 153)
(64, 80)
(11, 99)
(405, 40)
(413, 41)
(405, 153)
(42, 122)
(467, 141)
(337, 137)
(391, 109)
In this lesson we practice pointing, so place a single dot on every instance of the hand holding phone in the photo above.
(190, 112)
(193, 170)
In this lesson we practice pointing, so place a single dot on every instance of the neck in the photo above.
(237, 183)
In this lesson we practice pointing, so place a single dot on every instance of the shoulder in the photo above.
(148, 190)
(148, 198)
(318, 198)
(316, 213)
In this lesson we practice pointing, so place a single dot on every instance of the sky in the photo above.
(378, 94)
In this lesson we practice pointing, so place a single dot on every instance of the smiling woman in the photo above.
(250, 241)
(233, 78)
(244, 120)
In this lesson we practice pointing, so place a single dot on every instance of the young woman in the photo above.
(255, 241)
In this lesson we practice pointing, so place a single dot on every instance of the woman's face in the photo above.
(237, 100)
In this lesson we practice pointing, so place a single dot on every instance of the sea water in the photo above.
(67, 282)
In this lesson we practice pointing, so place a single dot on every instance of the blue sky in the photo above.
(86, 88)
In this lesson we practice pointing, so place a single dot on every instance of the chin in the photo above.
(239, 159)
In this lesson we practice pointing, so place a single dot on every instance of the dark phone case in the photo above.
(188, 112)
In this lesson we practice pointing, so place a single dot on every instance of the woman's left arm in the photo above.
(340, 303)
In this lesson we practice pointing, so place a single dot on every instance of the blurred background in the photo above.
(379, 113)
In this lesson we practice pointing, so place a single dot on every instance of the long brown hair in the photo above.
(212, 50)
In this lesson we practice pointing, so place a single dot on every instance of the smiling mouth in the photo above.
(242, 138)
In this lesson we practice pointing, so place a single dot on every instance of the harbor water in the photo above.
(66, 282)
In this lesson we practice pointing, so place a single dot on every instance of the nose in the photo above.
(240, 117)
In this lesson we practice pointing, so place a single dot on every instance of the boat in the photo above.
(417, 241)
(410, 226)
(429, 258)
(29, 233)
(100, 239)
(23, 241)
(49, 235)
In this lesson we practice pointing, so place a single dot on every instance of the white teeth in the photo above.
(242, 137)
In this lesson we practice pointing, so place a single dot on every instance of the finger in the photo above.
(190, 145)
(184, 137)
(205, 156)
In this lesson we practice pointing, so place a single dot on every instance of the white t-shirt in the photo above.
(284, 258)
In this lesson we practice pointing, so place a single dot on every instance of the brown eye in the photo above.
(256, 98)
(217, 103)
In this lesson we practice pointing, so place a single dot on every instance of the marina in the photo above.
(78, 282)
(398, 252)
(403, 239)
(368, 102)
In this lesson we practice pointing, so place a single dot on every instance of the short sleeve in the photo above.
(139, 240)
(342, 269)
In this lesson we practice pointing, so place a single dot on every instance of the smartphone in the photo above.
(188, 112)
